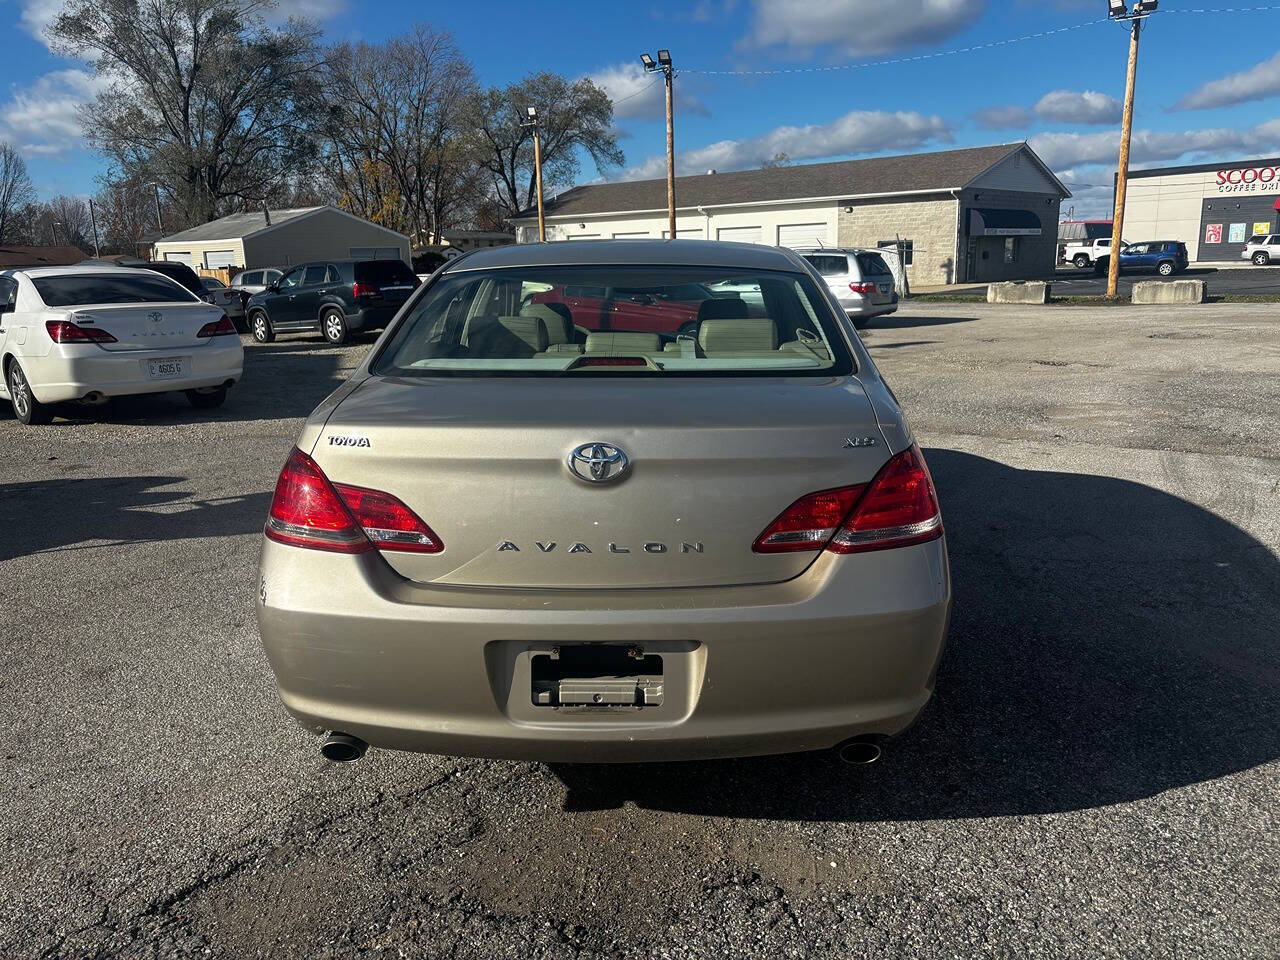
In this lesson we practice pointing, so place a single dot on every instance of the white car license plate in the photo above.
(165, 368)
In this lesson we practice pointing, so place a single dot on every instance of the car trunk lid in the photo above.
(484, 462)
(148, 326)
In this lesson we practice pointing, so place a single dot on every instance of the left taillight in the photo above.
(309, 511)
(64, 331)
(222, 327)
(897, 508)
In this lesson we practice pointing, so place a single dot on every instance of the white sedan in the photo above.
(89, 333)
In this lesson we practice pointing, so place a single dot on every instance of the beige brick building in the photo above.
(969, 215)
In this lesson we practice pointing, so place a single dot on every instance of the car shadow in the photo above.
(62, 513)
(899, 321)
(1109, 641)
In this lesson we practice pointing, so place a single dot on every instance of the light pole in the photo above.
(537, 168)
(664, 64)
(155, 184)
(1118, 11)
(93, 220)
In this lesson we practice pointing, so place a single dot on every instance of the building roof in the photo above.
(1203, 167)
(871, 176)
(11, 257)
(236, 225)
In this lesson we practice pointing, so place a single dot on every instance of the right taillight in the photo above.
(897, 508)
(309, 511)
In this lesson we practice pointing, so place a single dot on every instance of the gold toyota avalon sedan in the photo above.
(608, 501)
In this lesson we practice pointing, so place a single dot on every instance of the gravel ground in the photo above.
(1097, 776)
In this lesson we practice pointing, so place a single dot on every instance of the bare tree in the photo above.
(16, 192)
(400, 154)
(202, 95)
(573, 117)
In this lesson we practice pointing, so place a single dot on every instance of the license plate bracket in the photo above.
(596, 675)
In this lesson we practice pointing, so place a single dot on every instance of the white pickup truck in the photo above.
(1084, 252)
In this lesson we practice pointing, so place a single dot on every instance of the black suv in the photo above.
(336, 297)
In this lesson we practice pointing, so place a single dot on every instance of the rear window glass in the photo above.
(829, 265)
(385, 273)
(873, 264)
(645, 320)
(100, 288)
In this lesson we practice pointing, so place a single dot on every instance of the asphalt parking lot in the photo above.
(1244, 281)
(1096, 777)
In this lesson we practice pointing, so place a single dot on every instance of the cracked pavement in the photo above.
(1096, 777)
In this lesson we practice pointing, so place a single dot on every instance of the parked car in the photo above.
(255, 281)
(1165, 257)
(1262, 250)
(859, 279)
(90, 333)
(336, 297)
(488, 544)
(667, 310)
(175, 270)
(1082, 253)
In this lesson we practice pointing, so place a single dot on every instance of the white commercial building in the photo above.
(1214, 208)
(970, 215)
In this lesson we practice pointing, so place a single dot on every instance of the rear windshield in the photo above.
(872, 264)
(385, 273)
(617, 320)
(101, 288)
(828, 264)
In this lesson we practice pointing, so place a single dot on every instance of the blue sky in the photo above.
(1207, 83)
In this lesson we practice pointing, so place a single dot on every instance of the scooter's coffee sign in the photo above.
(1249, 180)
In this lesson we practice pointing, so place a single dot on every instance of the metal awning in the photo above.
(1003, 223)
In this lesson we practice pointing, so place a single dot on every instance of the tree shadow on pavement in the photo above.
(57, 514)
(1109, 641)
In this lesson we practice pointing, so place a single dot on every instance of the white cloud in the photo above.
(38, 14)
(43, 116)
(857, 28)
(637, 93)
(1257, 83)
(1003, 118)
(861, 131)
(1087, 106)
(1060, 150)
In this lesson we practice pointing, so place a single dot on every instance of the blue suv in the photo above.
(1165, 257)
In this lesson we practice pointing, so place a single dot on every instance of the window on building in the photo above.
(906, 249)
(1010, 249)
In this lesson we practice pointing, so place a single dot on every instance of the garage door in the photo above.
(630, 234)
(179, 256)
(213, 259)
(695, 234)
(375, 253)
(740, 234)
(804, 235)
(582, 236)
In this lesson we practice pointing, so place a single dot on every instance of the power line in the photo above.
(974, 48)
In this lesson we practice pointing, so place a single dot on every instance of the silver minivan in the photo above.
(859, 279)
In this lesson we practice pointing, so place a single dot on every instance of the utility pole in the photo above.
(664, 64)
(93, 220)
(1118, 11)
(159, 221)
(537, 168)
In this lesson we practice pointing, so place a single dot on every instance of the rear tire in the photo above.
(334, 326)
(208, 398)
(26, 407)
(261, 328)
(1081, 261)
(1261, 258)
(1165, 269)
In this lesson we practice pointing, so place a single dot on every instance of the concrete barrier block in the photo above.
(1170, 291)
(1019, 291)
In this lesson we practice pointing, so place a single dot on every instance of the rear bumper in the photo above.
(68, 373)
(864, 308)
(850, 647)
(372, 318)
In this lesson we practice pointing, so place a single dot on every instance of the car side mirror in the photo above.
(274, 288)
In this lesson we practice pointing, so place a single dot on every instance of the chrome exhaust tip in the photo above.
(342, 747)
(859, 751)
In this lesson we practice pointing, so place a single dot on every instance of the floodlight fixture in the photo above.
(664, 57)
(648, 62)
